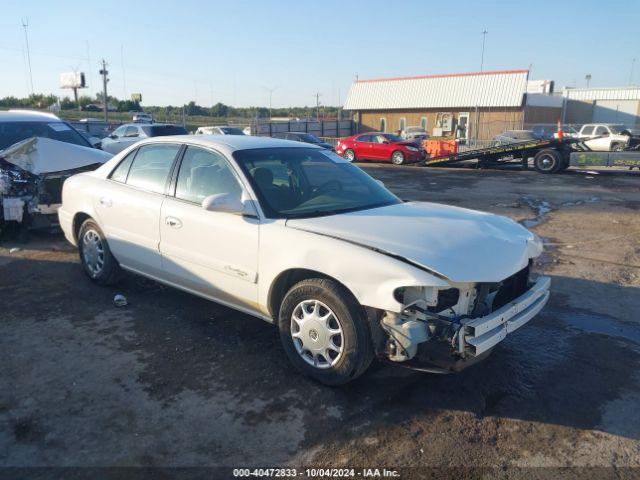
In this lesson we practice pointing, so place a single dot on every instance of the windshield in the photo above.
(14, 132)
(392, 138)
(232, 131)
(307, 137)
(305, 182)
(164, 130)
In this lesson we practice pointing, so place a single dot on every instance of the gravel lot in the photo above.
(173, 380)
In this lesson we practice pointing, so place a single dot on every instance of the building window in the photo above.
(403, 124)
(423, 123)
(383, 124)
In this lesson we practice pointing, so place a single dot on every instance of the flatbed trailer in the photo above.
(549, 156)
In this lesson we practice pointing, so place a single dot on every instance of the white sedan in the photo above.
(296, 235)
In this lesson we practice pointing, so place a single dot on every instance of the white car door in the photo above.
(601, 144)
(128, 206)
(213, 253)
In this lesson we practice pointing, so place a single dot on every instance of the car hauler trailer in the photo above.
(549, 156)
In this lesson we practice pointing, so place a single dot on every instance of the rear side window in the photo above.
(120, 173)
(151, 167)
(587, 130)
(363, 138)
(601, 130)
(163, 130)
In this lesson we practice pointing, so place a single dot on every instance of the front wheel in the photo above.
(95, 256)
(324, 332)
(617, 147)
(397, 158)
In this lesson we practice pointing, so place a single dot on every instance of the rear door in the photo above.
(128, 206)
(213, 253)
(363, 146)
(601, 144)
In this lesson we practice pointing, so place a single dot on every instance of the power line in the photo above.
(484, 37)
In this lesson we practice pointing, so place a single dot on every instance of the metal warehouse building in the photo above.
(602, 105)
(469, 105)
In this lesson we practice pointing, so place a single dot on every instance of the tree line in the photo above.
(219, 110)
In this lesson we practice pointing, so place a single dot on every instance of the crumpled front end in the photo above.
(444, 330)
(32, 173)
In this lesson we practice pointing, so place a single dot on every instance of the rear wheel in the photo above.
(96, 258)
(617, 147)
(349, 155)
(397, 158)
(547, 161)
(324, 332)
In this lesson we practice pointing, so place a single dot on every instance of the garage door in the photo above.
(616, 111)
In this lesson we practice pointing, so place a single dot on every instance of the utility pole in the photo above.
(270, 90)
(587, 77)
(104, 74)
(25, 25)
(484, 38)
(318, 95)
(633, 64)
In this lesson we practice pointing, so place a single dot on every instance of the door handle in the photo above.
(105, 201)
(173, 222)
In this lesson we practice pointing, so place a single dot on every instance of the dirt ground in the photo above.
(173, 380)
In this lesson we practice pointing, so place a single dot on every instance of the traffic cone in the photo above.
(560, 132)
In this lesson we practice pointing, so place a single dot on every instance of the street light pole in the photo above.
(587, 77)
(270, 90)
(484, 38)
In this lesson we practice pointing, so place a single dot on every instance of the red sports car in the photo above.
(380, 146)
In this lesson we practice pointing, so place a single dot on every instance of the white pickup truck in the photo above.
(604, 137)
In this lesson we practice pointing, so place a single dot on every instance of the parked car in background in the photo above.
(514, 136)
(414, 133)
(246, 130)
(92, 107)
(380, 146)
(568, 131)
(303, 137)
(604, 137)
(293, 234)
(219, 130)
(126, 135)
(142, 117)
(96, 142)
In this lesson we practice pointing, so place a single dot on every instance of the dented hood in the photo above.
(39, 155)
(459, 244)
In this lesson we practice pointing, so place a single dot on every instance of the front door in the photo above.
(462, 130)
(213, 253)
(381, 149)
(128, 206)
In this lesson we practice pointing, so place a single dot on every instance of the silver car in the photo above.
(130, 133)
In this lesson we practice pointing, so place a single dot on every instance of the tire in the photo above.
(349, 155)
(547, 161)
(397, 157)
(617, 147)
(95, 256)
(313, 298)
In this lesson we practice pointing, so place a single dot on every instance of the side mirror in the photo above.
(223, 202)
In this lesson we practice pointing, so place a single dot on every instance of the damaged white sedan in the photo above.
(296, 235)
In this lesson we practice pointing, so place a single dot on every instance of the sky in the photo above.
(235, 51)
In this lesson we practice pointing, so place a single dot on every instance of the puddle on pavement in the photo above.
(541, 207)
(601, 324)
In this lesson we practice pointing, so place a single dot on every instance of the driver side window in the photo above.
(203, 173)
(119, 132)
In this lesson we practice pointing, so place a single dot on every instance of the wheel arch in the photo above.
(288, 278)
(78, 219)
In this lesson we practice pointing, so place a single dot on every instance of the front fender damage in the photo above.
(426, 336)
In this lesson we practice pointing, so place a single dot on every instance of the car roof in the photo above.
(229, 143)
(26, 116)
